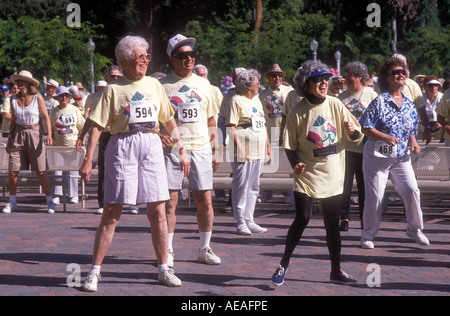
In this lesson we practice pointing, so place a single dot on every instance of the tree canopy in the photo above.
(232, 33)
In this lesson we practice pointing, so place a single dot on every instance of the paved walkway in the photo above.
(40, 253)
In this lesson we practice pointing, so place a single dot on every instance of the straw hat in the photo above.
(26, 76)
(275, 68)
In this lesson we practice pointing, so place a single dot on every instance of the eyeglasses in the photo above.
(142, 57)
(398, 72)
(318, 79)
(276, 75)
(185, 55)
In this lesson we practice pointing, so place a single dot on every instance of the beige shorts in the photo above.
(27, 148)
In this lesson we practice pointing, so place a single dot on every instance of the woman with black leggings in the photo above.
(315, 130)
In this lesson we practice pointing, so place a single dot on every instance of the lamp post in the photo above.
(91, 48)
(314, 45)
(337, 56)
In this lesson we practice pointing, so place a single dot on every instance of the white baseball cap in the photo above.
(178, 41)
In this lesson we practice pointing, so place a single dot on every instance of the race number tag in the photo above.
(383, 150)
(68, 120)
(189, 112)
(142, 112)
(257, 123)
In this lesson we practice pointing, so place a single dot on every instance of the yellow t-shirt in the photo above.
(291, 100)
(273, 101)
(193, 101)
(130, 104)
(66, 124)
(357, 102)
(443, 109)
(316, 133)
(248, 117)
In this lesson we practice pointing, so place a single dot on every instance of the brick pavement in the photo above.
(37, 249)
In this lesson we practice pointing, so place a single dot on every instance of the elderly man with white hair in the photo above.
(133, 106)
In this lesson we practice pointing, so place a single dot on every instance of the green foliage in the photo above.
(48, 48)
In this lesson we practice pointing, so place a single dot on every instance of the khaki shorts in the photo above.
(27, 148)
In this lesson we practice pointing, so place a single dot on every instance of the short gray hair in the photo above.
(245, 80)
(359, 69)
(306, 69)
(200, 66)
(126, 46)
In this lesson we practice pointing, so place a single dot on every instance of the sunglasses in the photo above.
(115, 76)
(185, 55)
(142, 57)
(318, 79)
(276, 75)
(398, 72)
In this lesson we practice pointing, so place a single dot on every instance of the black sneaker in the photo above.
(342, 278)
(344, 226)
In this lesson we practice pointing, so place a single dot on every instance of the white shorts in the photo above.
(135, 172)
(200, 176)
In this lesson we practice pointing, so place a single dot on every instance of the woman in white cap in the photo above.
(67, 122)
(426, 107)
(25, 143)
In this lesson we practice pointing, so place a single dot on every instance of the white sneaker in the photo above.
(206, 255)
(367, 244)
(170, 259)
(9, 207)
(56, 200)
(134, 209)
(51, 208)
(168, 278)
(418, 236)
(100, 210)
(242, 229)
(90, 285)
(74, 200)
(255, 228)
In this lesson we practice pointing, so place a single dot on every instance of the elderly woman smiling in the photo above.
(135, 172)
(390, 123)
(246, 124)
(314, 144)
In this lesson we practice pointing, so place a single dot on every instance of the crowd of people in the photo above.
(154, 131)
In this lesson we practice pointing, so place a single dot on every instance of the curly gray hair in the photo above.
(357, 68)
(126, 46)
(303, 73)
(245, 80)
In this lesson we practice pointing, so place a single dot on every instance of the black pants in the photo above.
(353, 168)
(331, 213)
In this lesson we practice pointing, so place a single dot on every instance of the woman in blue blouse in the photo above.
(390, 123)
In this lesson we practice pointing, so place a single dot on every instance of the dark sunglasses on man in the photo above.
(185, 55)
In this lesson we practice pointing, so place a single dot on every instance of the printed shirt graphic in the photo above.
(384, 115)
(193, 102)
(322, 133)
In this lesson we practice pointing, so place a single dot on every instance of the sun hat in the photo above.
(52, 82)
(101, 83)
(275, 68)
(178, 41)
(61, 90)
(26, 76)
(431, 79)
